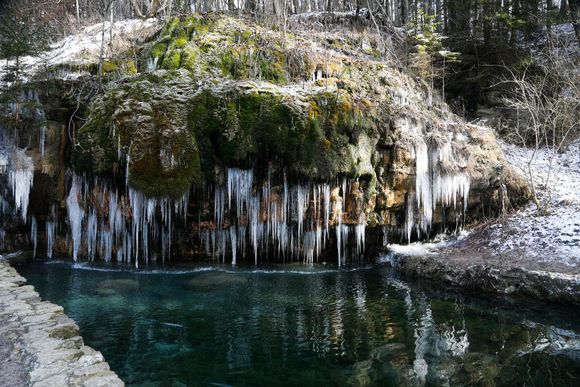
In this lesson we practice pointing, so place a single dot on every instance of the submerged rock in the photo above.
(118, 287)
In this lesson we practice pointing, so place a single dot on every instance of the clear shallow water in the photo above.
(291, 325)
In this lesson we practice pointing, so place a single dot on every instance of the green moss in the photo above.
(136, 119)
(234, 62)
(242, 36)
(198, 25)
(180, 42)
(272, 66)
(189, 57)
(170, 27)
(158, 50)
(131, 67)
(236, 128)
(109, 67)
(172, 60)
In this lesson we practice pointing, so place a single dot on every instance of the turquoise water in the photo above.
(293, 325)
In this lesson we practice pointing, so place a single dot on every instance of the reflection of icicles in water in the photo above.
(422, 327)
(34, 235)
(432, 349)
(20, 177)
(454, 341)
(423, 334)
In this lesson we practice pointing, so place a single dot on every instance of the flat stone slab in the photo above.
(489, 278)
(40, 345)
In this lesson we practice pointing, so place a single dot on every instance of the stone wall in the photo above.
(41, 346)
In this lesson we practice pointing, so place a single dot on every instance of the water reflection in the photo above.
(357, 327)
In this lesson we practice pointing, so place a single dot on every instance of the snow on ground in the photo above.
(83, 48)
(417, 249)
(557, 178)
(523, 239)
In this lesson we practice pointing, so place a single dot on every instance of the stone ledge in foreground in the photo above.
(47, 342)
(540, 285)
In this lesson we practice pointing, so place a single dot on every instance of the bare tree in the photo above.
(546, 100)
(150, 9)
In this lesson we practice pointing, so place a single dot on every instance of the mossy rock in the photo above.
(217, 45)
(236, 127)
(109, 67)
(141, 122)
(170, 27)
(158, 50)
(172, 60)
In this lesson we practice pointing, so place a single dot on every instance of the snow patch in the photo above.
(554, 238)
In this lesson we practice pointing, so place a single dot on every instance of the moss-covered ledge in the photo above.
(139, 127)
(49, 341)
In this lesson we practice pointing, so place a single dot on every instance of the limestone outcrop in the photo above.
(236, 141)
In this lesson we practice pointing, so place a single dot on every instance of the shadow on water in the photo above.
(296, 325)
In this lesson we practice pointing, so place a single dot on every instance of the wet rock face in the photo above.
(54, 352)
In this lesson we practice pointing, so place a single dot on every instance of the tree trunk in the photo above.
(102, 51)
(404, 12)
(575, 16)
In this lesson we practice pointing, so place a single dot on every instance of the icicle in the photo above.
(42, 139)
(339, 241)
(240, 186)
(434, 185)
(3, 160)
(50, 235)
(33, 234)
(20, 176)
(302, 199)
(409, 218)
(219, 203)
(423, 191)
(75, 216)
(233, 243)
(309, 246)
(359, 232)
(326, 195)
(92, 234)
(152, 64)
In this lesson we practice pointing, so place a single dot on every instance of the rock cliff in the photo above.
(217, 137)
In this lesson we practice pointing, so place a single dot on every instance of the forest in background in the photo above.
(491, 21)
(474, 51)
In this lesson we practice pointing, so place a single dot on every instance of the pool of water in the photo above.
(294, 325)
